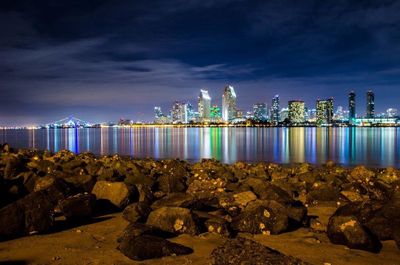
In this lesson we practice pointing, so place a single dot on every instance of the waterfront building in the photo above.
(391, 113)
(275, 109)
(311, 115)
(192, 116)
(159, 117)
(296, 113)
(179, 112)
(215, 114)
(229, 104)
(339, 114)
(324, 111)
(284, 114)
(352, 105)
(204, 105)
(260, 112)
(370, 105)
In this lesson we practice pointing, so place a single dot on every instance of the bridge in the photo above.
(68, 122)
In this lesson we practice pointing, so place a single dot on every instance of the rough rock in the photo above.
(82, 183)
(245, 251)
(218, 226)
(173, 219)
(136, 212)
(118, 193)
(348, 231)
(173, 176)
(145, 247)
(78, 207)
(361, 174)
(31, 214)
(262, 217)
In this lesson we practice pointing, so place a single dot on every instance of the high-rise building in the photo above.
(324, 111)
(179, 112)
(311, 115)
(192, 116)
(370, 104)
(229, 104)
(339, 114)
(275, 110)
(159, 116)
(391, 113)
(158, 113)
(352, 105)
(204, 105)
(284, 114)
(296, 111)
(260, 112)
(215, 114)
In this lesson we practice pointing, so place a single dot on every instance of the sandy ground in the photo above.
(95, 243)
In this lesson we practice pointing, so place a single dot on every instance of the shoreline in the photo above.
(196, 126)
(172, 211)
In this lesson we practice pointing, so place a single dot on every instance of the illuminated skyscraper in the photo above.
(391, 113)
(260, 112)
(215, 114)
(204, 105)
(229, 104)
(179, 112)
(370, 104)
(352, 105)
(296, 111)
(275, 109)
(324, 111)
(157, 113)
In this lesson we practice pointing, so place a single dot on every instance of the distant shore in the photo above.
(202, 126)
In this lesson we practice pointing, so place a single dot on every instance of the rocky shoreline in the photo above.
(165, 199)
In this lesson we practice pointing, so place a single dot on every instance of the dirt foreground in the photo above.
(96, 243)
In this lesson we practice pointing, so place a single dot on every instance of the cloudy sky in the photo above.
(103, 60)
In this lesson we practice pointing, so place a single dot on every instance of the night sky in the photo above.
(103, 60)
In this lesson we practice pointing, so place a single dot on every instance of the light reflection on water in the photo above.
(348, 146)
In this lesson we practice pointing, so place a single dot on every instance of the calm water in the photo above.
(348, 146)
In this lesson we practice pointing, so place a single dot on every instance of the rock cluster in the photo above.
(163, 199)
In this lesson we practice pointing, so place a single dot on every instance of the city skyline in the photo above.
(104, 60)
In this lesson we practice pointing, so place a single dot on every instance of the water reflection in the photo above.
(348, 146)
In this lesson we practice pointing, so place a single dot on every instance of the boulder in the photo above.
(245, 251)
(145, 193)
(173, 176)
(268, 191)
(348, 231)
(262, 217)
(361, 174)
(145, 247)
(117, 193)
(82, 183)
(78, 207)
(186, 200)
(218, 226)
(173, 219)
(29, 215)
(322, 192)
(14, 165)
(136, 212)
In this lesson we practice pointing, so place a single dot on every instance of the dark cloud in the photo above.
(105, 59)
